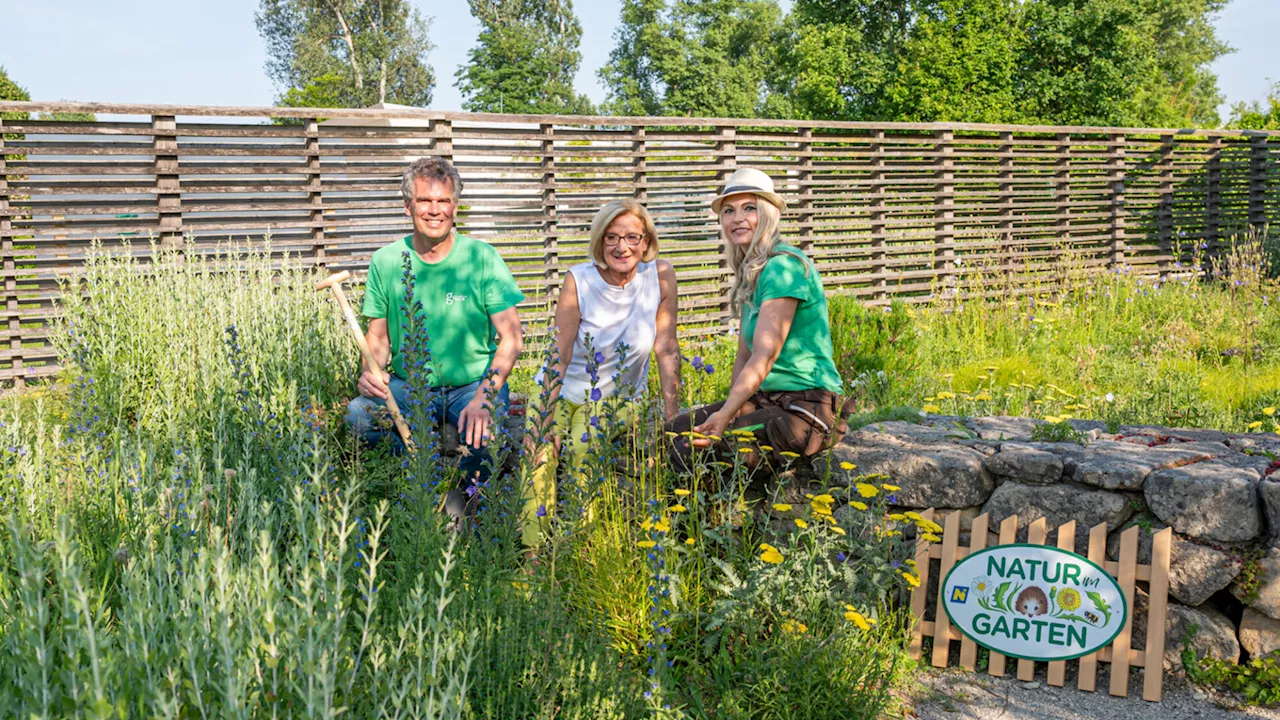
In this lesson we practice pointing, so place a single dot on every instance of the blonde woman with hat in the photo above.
(622, 296)
(785, 388)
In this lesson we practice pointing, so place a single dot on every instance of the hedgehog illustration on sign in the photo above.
(1032, 602)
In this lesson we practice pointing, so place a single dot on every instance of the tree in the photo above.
(525, 59)
(692, 57)
(1120, 62)
(1256, 115)
(346, 53)
(10, 90)
(958, 64)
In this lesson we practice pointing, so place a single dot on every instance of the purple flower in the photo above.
(542, 511)
(841, 557)
(709, 368)
(586, 437)
(697, 361)
(472, 490)
(599, 357)
(596, 395)
(892, 499)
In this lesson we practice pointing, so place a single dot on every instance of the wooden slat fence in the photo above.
(931, 619)
(888, 210)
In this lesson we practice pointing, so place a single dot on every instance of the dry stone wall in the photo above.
(1218, 491)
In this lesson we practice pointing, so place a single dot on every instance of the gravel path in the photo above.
(958, 695)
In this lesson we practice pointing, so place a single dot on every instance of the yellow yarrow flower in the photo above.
(745, 450)
(646, 544)
(912, 580)
(838, 530)
(946, 395)
(1269, 411)
(856, 618)
(856, 505)
(688, 541)
(771, 556)
(930, 537)
(801, 524)
(678, 508)
(984, 395)
(1255, 424)
(789, 454)
(766, 448)
(867, 491)
(897, 516)
(846, 465)
(662, 526)
(930, 408)
(912, 515)
(682, 492)
(890, 488)
(782, 507)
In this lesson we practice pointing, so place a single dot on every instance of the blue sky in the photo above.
(207, 52)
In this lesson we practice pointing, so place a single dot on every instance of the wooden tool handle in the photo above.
(334, 283)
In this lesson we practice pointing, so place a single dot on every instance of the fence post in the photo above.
(164, 140)
(879, 243)
(14, 325)
(1213, 193)
(314, 195)
(726, 163)
(944, 252)
(1116, 176)
(550, 236)
(639, 166)
(1164, 214)
(805, 206)
(1258, 181)
(1006, 207)
(1062, 189)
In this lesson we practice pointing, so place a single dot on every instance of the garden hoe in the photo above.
(334, 283)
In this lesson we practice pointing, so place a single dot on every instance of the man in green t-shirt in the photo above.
(466, 300)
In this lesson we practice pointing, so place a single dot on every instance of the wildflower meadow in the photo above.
(189, 531)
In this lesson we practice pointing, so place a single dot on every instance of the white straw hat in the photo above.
(748, 180)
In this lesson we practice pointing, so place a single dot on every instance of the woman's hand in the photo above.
(714, 426)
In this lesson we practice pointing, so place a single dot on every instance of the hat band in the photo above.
(743, 188)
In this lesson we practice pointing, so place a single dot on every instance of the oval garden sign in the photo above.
(1034, 602)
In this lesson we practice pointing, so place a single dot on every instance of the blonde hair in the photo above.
(611, 211)
(747, 263)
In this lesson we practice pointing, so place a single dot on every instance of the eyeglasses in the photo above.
(632, 239)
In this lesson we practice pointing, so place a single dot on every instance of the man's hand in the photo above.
(473, 423)
(374, 383)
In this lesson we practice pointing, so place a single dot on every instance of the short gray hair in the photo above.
(430, 168)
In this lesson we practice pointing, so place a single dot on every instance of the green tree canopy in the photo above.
(10, 90)
(692, 57)
(1098, 62)
(525, 59)
(346, 53)
(1258, 115)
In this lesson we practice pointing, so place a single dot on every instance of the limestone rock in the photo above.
(1210, 500)
(930, 474)
(1214, 635)
(1195, 572)
(1124, 465)
(1267, 601)
(1178, 434)
(1057, 504)
(1269, 493)
(1259, 634)
(1026, 464)
(1002, 427)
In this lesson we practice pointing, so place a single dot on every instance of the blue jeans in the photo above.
(446, 404)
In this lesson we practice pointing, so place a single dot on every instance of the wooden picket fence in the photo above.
(1126, 570)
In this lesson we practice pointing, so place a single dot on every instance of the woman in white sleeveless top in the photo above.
(623, 295)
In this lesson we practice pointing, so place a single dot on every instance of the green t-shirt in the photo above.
(458, 294)
(806, 360)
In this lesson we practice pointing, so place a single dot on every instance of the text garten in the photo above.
(1062, 634)
(1061, 572)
